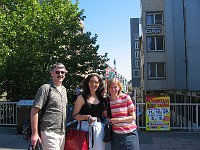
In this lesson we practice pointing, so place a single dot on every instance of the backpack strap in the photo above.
(108, 109)
(43, 109)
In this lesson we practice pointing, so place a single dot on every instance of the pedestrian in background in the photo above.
(89, 110)
(125, 135)
(53, 123)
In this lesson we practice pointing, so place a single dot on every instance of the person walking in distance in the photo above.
(53, 124)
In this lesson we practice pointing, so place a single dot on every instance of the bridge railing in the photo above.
(183, 116)
(8, 113)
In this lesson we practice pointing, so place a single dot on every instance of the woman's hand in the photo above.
(91, 119)
(114, 120)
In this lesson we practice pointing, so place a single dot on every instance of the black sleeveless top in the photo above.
(95, 110)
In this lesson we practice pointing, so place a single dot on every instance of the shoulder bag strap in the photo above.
(109, 113)
(46, 103)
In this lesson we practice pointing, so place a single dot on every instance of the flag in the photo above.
(107, 72)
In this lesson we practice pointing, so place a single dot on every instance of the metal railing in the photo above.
(183, 116)
(8, 113)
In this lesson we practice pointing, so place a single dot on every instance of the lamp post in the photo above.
(115, 68)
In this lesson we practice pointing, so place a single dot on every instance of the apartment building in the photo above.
(166, 57)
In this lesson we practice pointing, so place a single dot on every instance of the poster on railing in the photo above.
(157, 113)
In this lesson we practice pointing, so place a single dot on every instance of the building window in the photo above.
(154, 18)
(156, 70)
(155, 43)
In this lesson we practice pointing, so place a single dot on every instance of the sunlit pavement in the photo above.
(9, 140)
(169, 140)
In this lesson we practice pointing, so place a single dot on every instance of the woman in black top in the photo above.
(89, 109)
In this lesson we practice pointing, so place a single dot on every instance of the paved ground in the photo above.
(10, 140)
(169, 141)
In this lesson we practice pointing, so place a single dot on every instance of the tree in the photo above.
(34, 35)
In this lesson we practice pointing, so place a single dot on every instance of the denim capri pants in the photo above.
(129, 141)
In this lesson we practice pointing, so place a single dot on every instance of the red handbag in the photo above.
(77, 140)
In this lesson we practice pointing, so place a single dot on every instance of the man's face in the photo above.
(58, 74)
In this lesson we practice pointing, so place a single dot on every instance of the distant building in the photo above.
(168, 51)
(112, 73)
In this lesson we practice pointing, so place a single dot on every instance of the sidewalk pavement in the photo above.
(169, 140)
(10, 140)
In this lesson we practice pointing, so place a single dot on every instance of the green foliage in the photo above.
(35, 35)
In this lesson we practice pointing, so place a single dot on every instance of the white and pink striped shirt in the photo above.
(123, 107)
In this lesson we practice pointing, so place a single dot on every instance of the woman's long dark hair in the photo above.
(86, 90)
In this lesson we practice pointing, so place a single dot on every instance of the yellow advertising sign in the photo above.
(157, 113)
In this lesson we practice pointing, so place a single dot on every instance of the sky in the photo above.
(110, 20)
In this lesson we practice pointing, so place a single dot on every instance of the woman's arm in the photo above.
(129, 119)
(77, 107)
(131, 112)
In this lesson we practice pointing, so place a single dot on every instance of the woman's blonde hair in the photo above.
(117, 81)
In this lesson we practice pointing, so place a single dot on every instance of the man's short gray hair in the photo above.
(57, 65)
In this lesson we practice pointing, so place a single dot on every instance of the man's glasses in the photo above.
(94, 82)
(59, 72)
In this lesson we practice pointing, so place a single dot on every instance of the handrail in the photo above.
(184, 116)
(8, 113)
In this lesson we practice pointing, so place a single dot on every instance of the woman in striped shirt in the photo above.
(125, 135)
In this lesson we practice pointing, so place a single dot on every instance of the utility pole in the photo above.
(115, 68)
